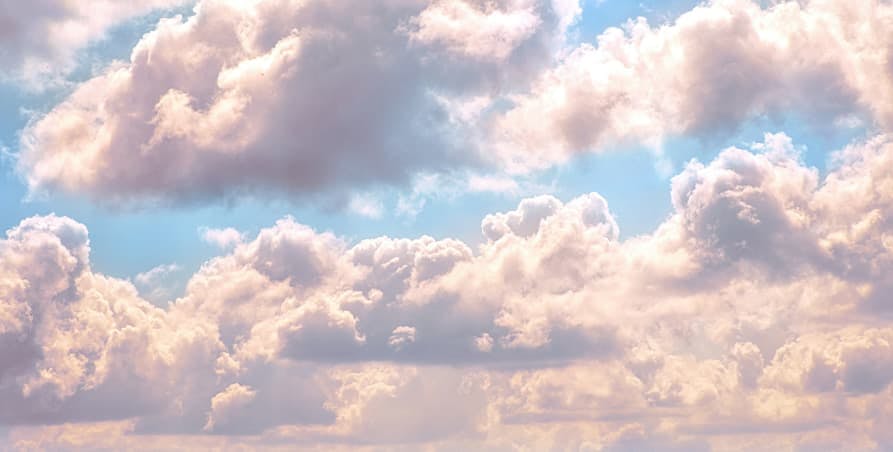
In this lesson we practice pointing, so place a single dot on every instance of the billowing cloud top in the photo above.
(288, 96)
(757, 306)
(756, 315)
(308, 98)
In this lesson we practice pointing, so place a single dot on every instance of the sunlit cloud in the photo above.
(753, 314)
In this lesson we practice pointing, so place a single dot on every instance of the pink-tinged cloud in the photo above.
(299, 99)
(286, 97)
(755, 316)
(39, 39)
(706, 74)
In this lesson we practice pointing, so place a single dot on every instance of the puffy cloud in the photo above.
(707, 73)
(72, 339)
(233, 398)
(159, 283)
(367, 206)
(285, 96)
(854, 360)
(401, 336)
(479, 31)
(246, 98)
(748, 318)
(39, 39)
(747, 206)
(222, 238)
(754, 316)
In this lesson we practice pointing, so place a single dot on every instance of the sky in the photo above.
(440, 224)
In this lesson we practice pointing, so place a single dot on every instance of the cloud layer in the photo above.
(308, 99)
(756, 315)
(288, 97)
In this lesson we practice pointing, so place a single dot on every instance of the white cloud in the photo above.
(755, 316)
(282, 97)
(481, 31)
(231, 399)
(159, 283)
(484, 342)
(757, 306)
(225, 238)
(707, 73)
(224, 105)
(39, 39)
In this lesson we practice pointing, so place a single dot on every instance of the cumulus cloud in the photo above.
(256, 98)
(705, 74)
(287, 97)
(757, 309)
(39, 39)
(158, 284)
(72, 339)
(755, 316)
(480, 31)
(401, 336)
(233, 398)
(272, 97)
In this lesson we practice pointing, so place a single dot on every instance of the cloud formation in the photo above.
(706, 74)
(754, 316)
(288, 97)
(308, 99)
(39, 39)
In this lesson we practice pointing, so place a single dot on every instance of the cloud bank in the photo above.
(288, 97)
(321, 98)
(756, 315)
(40, 39)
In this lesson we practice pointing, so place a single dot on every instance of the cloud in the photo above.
(246, 99)
(707, 73)
(40, 39)
(69, 337)
(285, 97)
(233, 398)
(477, 31)
(755, 316)
(757, 309)
(158, 284)
(401, 336)
(225, 238)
